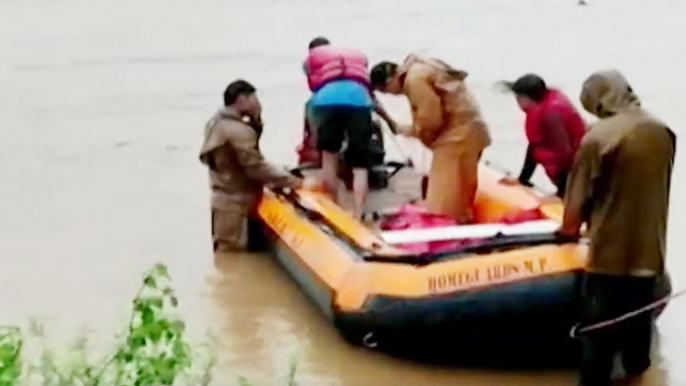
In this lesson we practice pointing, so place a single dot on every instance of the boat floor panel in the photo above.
(404, 187)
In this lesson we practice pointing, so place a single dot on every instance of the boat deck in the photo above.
(404, 187)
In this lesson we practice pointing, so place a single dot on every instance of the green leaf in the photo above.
(167, 378)
(174, 301)
(155, 333)
(157, 302)
(136, 341)
(180, 350)
(178, 326)
(242, 381)
(147, 316)
(161, 270)
(139, 304)
(171, 362)
(164, 324)
(149, 281)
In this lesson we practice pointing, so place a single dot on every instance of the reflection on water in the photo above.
(102, 111)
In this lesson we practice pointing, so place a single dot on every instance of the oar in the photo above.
(461, 232)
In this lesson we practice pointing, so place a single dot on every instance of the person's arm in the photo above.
(528, 168)
(427, 110)
(580, 187)
(256, 167)
(379, 109)
(306, 67)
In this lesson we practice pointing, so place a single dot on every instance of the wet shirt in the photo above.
(238, 171)
(620, 181)
(444, 112)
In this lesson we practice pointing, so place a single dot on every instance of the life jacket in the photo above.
(554, 150)
(327, 63)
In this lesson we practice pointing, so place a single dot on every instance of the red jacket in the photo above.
(327, 63)
(554, 129)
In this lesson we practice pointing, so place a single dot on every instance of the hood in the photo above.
(435, 63)
(607, 93)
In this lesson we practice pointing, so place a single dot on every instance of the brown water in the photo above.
(102, 107)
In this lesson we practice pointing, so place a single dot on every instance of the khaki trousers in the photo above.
(453, 181)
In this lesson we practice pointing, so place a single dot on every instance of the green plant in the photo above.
(10, 350)
(293, 369)
(152, 352)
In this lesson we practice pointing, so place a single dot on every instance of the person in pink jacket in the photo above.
(340, 108)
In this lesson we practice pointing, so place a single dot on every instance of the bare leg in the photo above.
(360, 188)
(329, 173)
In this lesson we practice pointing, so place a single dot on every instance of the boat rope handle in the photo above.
(368, 341)
(576, 331)
(401, 151)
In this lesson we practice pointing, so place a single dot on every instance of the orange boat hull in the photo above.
(508, 297)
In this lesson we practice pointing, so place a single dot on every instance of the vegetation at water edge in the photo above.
(153, 350)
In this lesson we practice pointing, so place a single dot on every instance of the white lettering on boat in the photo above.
(488, 274)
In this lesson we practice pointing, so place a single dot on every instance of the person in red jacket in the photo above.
(554, 129)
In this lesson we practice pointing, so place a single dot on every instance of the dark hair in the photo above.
(237, 88)
(381, 73)
(319, 41)
(531, 86)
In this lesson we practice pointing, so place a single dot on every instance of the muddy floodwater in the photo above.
(102, 110)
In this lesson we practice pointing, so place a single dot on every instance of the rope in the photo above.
(576, 331)
(403, 154)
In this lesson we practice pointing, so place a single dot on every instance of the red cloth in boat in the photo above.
(410, 216)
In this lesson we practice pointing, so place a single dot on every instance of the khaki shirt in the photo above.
(444, 112)
(238, 171)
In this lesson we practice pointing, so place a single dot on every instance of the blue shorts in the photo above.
(343, 92)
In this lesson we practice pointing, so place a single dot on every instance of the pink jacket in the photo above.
(327, 63)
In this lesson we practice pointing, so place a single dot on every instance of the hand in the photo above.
(254, 121)
(509, 181)
(550, 199)
(312, 183)
(568, 232)
(404, 130)
(393, 126)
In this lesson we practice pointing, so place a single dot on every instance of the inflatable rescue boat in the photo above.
(504, 287)
(497, 287)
